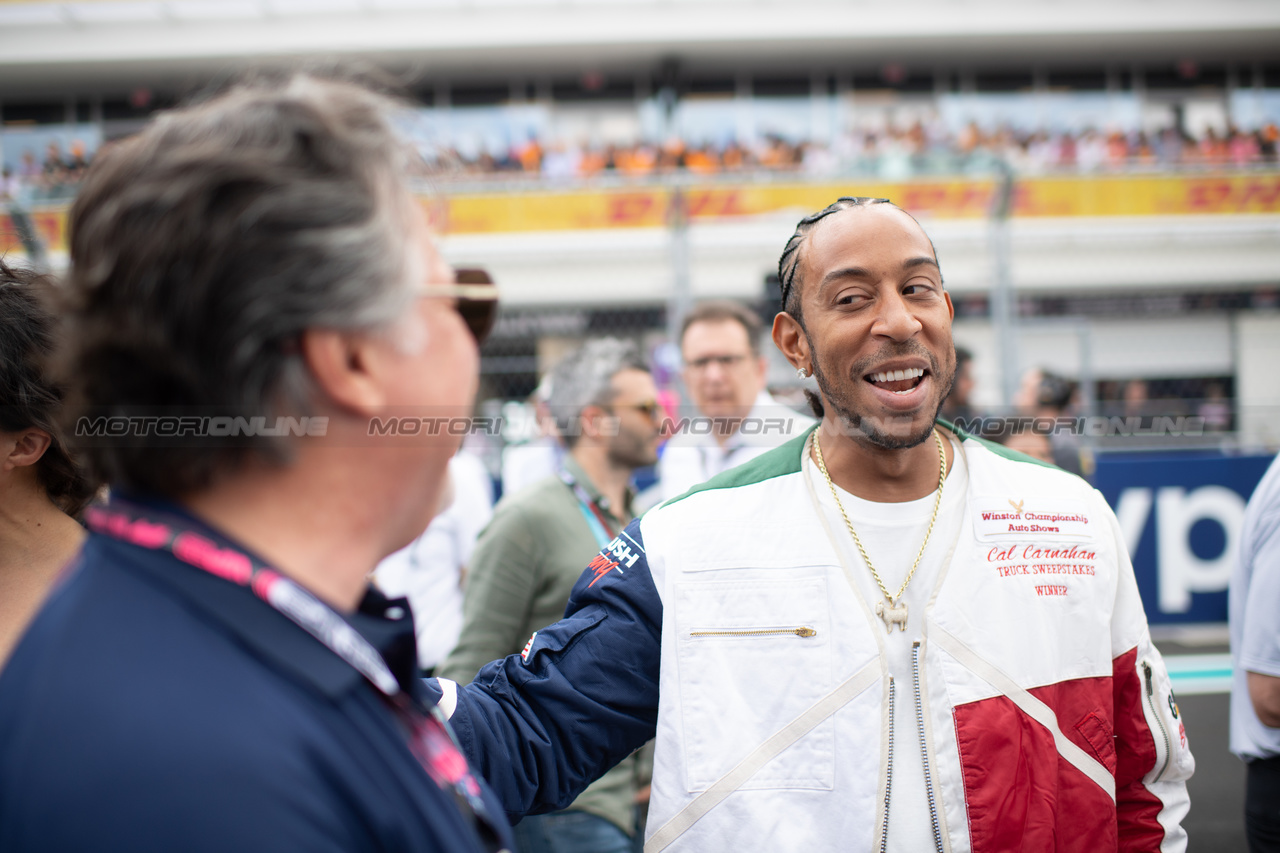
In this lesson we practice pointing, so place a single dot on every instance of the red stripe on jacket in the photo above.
(1022, 795)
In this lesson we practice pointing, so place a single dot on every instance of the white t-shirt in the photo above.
(427, 571)
(694, 456)
(1254, 611)
(891, 533)
(525, 464)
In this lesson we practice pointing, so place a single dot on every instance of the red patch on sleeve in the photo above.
(601, 566)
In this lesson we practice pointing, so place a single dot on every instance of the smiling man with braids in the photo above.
(883, 635)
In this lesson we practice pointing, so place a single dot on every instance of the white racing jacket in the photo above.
(1048, 724)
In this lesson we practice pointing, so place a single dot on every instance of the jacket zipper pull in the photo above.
(1155, 714)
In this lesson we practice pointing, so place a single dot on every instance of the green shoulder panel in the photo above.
(782, 460)
(997, 449)
(785, 459)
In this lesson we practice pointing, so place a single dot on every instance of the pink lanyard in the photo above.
(430, 739)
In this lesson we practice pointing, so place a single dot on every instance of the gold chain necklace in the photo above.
(893, 613)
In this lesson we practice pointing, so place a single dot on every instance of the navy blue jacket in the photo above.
(154, 707)
(542, 725)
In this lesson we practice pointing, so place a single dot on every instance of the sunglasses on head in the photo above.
(477, 300)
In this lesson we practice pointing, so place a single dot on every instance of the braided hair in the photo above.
(789, 263)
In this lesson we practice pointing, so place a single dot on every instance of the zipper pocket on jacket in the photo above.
(924, 747)
(797, 631)
(1155, 712)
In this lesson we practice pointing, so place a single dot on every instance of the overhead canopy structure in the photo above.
(127, 42)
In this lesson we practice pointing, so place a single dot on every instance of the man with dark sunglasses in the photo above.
(476, 301)
(527, 560)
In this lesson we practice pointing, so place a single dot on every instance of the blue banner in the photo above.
(1181, 516)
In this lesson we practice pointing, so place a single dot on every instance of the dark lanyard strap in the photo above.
(430, 738)
(596, 520)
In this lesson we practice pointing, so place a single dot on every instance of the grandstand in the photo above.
(610, 160)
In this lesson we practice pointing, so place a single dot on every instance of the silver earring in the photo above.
(802, 374)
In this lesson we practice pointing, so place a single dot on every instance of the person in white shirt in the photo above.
(539, 457)
(724, 371)
(430, 570)
(1254, 614)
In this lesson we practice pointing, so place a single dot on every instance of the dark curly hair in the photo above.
(28, 396)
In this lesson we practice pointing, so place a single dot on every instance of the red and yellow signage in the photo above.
(49, 223)
(653, 206)
(1149, 195)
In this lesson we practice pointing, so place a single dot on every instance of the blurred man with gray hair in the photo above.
(254, 286)
(530, 556)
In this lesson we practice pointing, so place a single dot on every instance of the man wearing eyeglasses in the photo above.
(724, 372)
(528, 559)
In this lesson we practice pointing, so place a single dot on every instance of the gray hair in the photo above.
(204, 247)
(583, 378)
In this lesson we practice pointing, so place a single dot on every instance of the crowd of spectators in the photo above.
(891, 153)
(52, 178)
